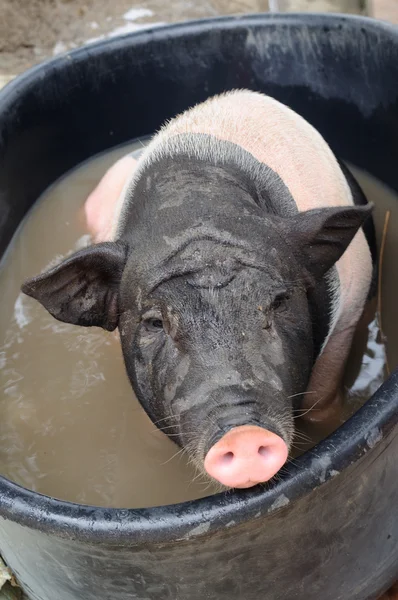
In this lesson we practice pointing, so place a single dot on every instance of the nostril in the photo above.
(227, 458)
(263, 451)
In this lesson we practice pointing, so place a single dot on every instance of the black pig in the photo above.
(232, 260)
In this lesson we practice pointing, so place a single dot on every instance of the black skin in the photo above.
(213, 293)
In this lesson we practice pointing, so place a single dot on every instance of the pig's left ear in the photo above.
(320, 236)
(84, 288)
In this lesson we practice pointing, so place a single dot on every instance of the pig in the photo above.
(233, 261)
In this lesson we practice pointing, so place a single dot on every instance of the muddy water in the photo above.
(70, 425)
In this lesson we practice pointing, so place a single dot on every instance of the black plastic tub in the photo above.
(329, 529)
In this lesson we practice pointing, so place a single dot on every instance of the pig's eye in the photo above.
(279, 302)
(153, 324)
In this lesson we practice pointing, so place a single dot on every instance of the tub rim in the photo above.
(365, 430)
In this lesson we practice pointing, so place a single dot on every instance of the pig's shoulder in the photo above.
(208, 156)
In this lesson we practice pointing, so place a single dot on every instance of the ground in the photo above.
(34, 30)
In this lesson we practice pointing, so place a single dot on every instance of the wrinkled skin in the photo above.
(227, 343)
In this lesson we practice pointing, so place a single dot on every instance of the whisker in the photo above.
(291, 460)
(309, 409)
(174, 434)
(303, 438)
(163, 428)
(304, 443)
(174, 456)
(209, 486)
(199, 475)
(300, 394)
(300, 449)
(165, 419)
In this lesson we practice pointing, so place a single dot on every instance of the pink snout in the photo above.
(246, 456)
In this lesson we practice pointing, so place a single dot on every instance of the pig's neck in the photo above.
(208, 154)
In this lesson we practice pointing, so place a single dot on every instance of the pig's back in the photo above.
(274, 135)
(278, 137)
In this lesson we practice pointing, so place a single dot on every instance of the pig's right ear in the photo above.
(84, 288)
(320, 236)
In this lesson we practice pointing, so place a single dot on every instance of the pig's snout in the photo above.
(245, 456)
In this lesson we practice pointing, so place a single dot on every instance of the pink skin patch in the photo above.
(100, 206)
(246, 456)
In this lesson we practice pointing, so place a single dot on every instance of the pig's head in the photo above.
(217, 328)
